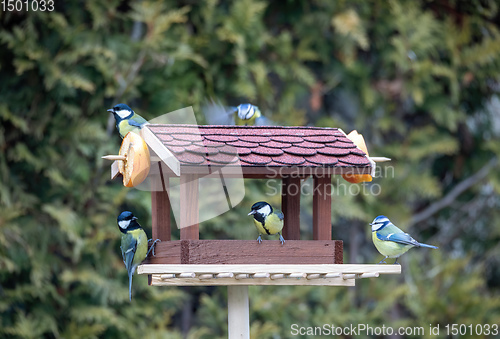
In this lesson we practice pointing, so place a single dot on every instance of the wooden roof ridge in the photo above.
(245, 126)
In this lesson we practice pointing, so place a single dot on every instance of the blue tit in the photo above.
(267, 221)
(390, 240)
(244, 114)
(248, 114)
(127, 120)
(134, 244)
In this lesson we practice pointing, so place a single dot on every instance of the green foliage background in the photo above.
(420, 80)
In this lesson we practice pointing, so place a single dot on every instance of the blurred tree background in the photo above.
(419, 79)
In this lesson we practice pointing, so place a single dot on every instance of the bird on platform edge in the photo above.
(266, 220)
(127, 120)
(134, 244)
(391, 241)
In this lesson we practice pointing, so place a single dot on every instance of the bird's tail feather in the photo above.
(429, 246)
(130, 274)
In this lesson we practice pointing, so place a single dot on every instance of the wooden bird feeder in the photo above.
(288, 154)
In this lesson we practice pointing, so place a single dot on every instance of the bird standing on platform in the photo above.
(134, 244)
(127, 120)
(267, 221)
(390, 241)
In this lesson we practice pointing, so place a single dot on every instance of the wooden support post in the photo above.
(160, 208)
(290, 205)
(189, 210)
(238, 315)
(322, 208)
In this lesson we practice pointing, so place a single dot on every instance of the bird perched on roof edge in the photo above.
(134, 244)
(243, 114)
(249, 114)
(127, 120)
(267, 221)
(390, 241)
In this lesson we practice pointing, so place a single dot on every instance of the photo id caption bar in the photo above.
(28, 5)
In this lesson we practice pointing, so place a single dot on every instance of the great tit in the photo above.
(134, 244)
(267, 221)
(127, 120)
(244, 114)
(390, 240)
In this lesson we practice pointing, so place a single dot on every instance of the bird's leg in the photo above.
(396, 262)
(282, 239)
(152, 248)
(383, 260)
(259, 239)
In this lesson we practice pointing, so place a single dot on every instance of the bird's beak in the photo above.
(251, 212)
(111, 110)
(134, 218)
(371, 224)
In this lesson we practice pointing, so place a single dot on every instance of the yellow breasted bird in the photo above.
(134, 244)
(390, 241)
(127, 120)
(266, 220)
(243, 114)
(249, 114)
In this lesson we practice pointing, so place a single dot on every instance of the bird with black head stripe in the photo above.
(134, 244)
(266, 220)
(127, 120)
(390, 240)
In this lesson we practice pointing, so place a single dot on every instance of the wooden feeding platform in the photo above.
(238, 252)
(289, 154)
(263, 274)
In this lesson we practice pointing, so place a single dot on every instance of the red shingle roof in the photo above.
(260, 146)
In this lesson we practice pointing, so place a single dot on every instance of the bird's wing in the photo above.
(280, 215)
(136, 123)
(129, 246)
(217, 114)
(400, 238)
(263, 121)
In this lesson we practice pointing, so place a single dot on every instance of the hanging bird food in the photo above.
(133, 160)
(359, 141)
